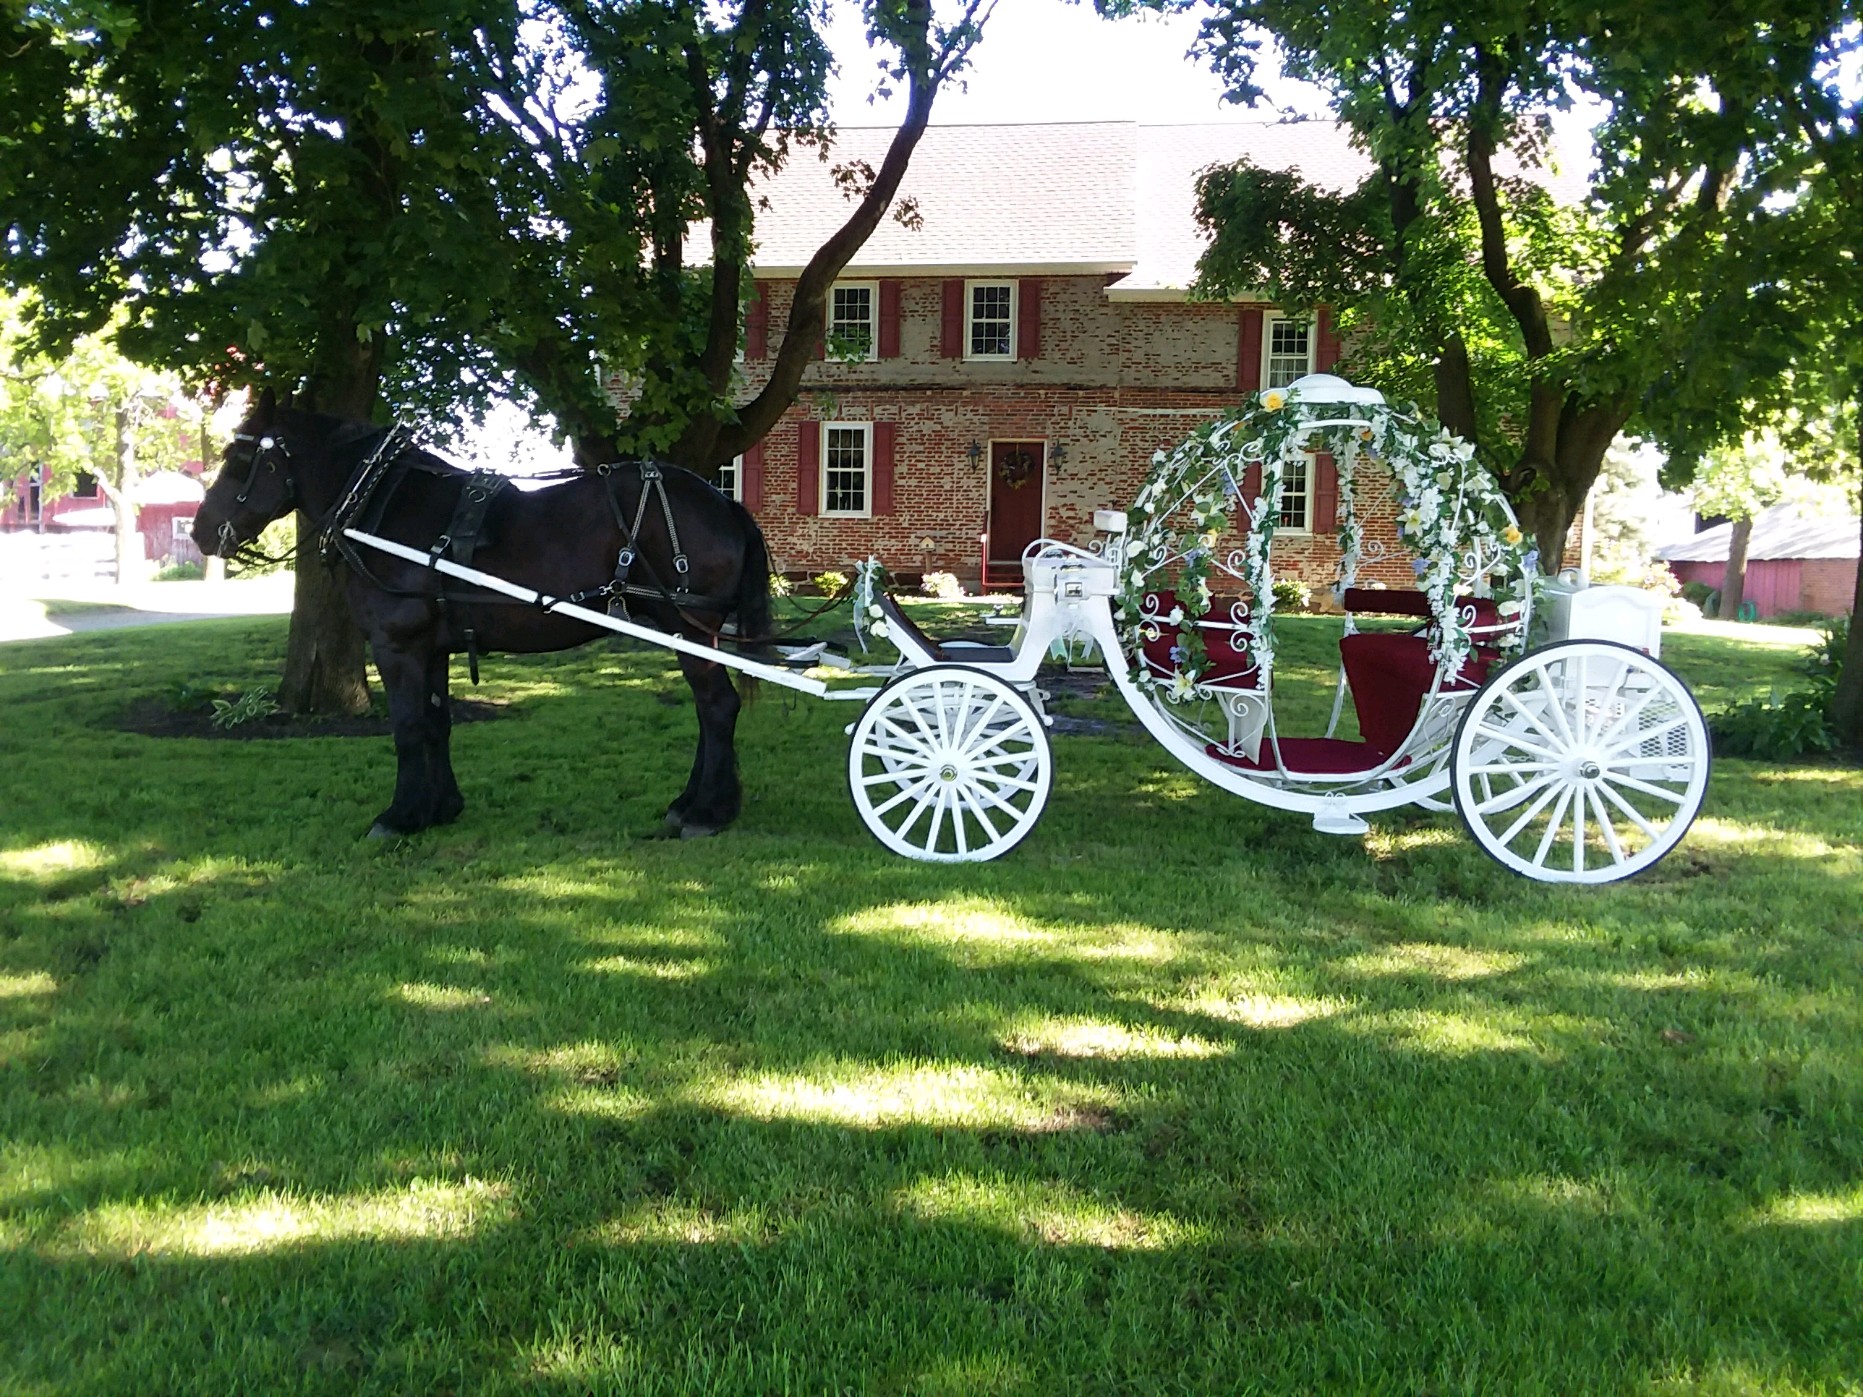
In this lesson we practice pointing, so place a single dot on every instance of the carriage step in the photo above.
(1339, 821)
(816, 656)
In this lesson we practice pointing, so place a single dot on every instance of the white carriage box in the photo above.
(1628, 615)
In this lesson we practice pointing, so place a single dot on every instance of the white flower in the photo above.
(880, 629)
(1176, 618)
(875, 611)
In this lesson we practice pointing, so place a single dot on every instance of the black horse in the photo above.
(655, 540)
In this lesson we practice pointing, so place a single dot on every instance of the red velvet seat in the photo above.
(1230, 665)
(1389, 676)
(1402, 602)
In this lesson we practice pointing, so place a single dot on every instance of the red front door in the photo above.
(1017, 478)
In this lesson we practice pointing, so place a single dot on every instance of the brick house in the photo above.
(1007, 361)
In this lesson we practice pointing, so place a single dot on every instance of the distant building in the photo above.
(1794, 563)
(1010, 363)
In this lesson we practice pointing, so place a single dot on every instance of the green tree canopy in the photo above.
(1537, 324)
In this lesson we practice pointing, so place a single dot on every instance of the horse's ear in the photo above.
(268, 405)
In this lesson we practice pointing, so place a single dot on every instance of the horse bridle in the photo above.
(267, 451)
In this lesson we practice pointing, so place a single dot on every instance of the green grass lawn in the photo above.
(1179, 1096)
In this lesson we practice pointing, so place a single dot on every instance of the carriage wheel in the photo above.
(949, 765)
(1584, 762)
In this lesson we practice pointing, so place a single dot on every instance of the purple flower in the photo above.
(1419, 566)
(1177, 654)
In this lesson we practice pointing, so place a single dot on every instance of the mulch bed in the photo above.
(152, 717)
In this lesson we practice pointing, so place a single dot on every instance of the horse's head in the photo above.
(256, 483)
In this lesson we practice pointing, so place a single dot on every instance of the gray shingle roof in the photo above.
(1780, 532)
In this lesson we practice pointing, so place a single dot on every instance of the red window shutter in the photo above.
(1028, 318)
(889, 319)
(1251, 484)
(951, 336)
(750, 487)
(808, 467)
(1248, 351)
(757, 325)
(885, 442)
(1325, 493)
(1326, 352)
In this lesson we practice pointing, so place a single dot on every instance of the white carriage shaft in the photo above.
(949, 765)
(1584, 762)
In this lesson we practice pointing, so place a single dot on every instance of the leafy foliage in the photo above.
(1539, 325)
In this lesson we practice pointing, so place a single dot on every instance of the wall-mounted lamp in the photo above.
(1057, 456)
(974, 451)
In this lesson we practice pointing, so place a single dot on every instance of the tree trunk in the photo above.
(129, 550)
(1734, 583)
(1847, 702)
(326, 657)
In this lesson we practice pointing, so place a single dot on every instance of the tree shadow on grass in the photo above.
(498, 1110)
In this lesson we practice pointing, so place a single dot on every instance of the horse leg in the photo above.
(447, 800)
(407, 676)
(712, 796)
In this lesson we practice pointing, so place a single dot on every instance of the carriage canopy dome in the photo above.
(1452, 519)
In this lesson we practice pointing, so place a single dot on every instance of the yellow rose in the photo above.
(1512, 535)
(1274, 400)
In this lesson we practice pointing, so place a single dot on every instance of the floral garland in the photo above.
(1453, 516)
(869, 618)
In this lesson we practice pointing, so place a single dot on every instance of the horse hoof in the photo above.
(674, 821)
(696, 831)
(378, 830)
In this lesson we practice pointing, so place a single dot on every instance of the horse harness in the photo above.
(364, 499)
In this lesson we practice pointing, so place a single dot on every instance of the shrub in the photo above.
(254, 703)
(943, 585)
(1773, 728)
(1291, 594)
(780, 586)
(1789, 725)
(831, 583)
(1697, 592)
(180, 572)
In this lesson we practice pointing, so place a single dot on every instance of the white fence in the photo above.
(26, 558)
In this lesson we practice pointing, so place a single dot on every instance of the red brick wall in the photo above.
(1112, 383)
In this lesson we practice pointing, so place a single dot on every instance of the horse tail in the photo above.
(754, 621)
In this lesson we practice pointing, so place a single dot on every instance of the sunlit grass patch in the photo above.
(964, 920)
(1091, 1038)
(1434, 960)
(1257, 1010)
(425, 1209)
(29, 985)
(646, 968)
(1052, 1213)
(447, 997)
(908, 1093)
(1446, 1034)
(670, 1221)
(45, 861)
(1810, 1209)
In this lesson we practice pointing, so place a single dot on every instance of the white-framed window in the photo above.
(1287, 350)
(1296, 495)
(854, 320)
(847, 469)
(990, 320)
(730, 481)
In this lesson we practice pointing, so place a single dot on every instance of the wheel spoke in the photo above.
(1508, 768)
(1516, 741)
(916, 791)
(1617, 679)
(1578, 833)
(1552, 825)
(1610, 830)
(1508, 696)
(1646, 787)
(1556, 694)
(1636, 816)
(1508, 799)
(1633, 742)
(980, 729)
(1630, 715)
(1527, 816)
(981, 814)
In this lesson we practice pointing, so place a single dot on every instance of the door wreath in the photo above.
(1016, 469)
